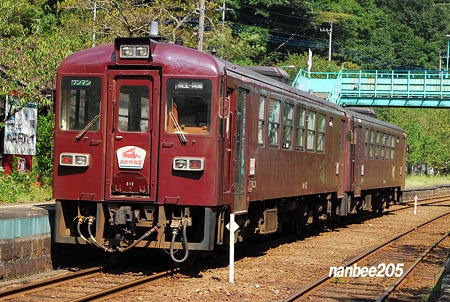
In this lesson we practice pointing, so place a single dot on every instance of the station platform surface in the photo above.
(25, 219)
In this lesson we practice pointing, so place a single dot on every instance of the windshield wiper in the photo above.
(83, 132)
(179, 130)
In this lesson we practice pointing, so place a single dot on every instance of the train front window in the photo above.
(80, 103)
(133, 108)
(188, 106)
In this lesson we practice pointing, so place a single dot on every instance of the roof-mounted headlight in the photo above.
(142, 51)
(134, 51)
(128, 50)
(188, 164)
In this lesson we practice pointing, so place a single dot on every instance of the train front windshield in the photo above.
(188, 106)
(80, 103)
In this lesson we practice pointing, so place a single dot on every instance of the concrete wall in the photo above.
(25, 256)
(426, 192)
(25, 239)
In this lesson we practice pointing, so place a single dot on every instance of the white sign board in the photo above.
(131, 157)
(20, 130)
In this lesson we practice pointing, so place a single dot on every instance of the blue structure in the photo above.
(401, 88)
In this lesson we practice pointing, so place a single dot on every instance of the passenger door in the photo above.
(357, 158)
(132, 148)
(239, 149)
(340, 169)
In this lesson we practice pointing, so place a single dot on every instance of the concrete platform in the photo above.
(25, 219)
(25, 239)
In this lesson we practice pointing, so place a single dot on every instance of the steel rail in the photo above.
(122, 287)
(51, 282)
(409, 204)
(319, 281)
(391, 288)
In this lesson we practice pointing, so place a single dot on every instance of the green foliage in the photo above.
(44, 148)
(320, 64)
(243, 49)
(428, 134)
(22, 187)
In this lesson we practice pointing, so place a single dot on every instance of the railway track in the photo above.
(371, 287)
(86, 285)
(20, 291)
(91, 288)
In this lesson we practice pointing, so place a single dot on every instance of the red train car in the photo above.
(154, 139)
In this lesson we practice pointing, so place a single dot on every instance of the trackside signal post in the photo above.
(232, 226)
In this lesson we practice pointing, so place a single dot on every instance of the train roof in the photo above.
(90, 60)
(176, 60)
(372, 120)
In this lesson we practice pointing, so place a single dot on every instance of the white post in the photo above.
(231, 249)
(232, 226)
(415, 204)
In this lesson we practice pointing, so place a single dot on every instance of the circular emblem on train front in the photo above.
(131, 157)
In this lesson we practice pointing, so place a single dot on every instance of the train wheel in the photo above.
(297, 227)
(333, 221)
(377, 211)
(192, 257)
(216, 251)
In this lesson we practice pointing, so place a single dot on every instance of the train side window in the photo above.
(133, 108)
(372, 140)
(377, 145)
(366, 144)
(388, 147)
(392, 147)
(383, 145)
(188, 106)
(311, 131)
(300, 129)
(80, 103)
(288, 117)
(261, 120)
(274, 122)
(321, 133)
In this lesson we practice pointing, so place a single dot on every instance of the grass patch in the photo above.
(23, 187)
(435, 291)
(415, 181)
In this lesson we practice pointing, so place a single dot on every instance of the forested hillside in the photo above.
(36, 35)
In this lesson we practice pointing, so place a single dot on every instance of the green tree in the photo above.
(428, 131)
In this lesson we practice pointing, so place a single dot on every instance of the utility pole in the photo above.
(201, 25)
(93, 26)
(329, 31)
(224, 9)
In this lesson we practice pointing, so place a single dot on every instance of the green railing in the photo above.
(380, 88)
